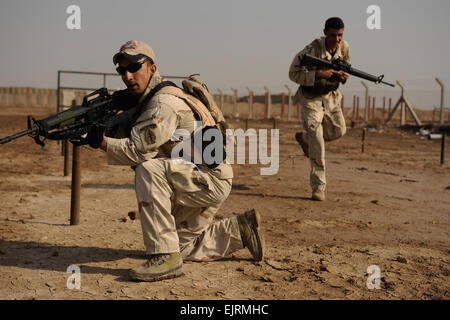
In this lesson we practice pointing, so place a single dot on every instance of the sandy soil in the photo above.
(388, 206)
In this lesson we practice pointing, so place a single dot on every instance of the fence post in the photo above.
(235, 113)
(366, 103)
(357, 109)
(268, 103)
(441, 117)
(373, 108)
(250, 103)
(220, 99)
(354, 109)
(289, 101)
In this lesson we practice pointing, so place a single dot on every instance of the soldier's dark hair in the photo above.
(334, 23)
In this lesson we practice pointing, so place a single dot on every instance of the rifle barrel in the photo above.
(18, 135)
(389, 84)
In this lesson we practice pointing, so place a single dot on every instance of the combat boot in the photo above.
(302, 143)
(318, 195)
(159, 267)
(251, 234)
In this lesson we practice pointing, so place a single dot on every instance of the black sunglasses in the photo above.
(132, 67)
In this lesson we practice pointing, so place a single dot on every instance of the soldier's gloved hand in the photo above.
(93, 138)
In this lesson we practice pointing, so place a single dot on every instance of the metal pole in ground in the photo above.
(58, 107)
(250, 103)
(354, 109)
(357, 109)
(366, 103)
(66, 157)
(373, 108)
(235, 113)
(441, 122)
(269, 103)
(390, 105)
(443, 147)
(402, 104)
(289, 101)
(76, 186)
(363, 139)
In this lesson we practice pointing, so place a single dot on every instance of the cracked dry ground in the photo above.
(387, 207)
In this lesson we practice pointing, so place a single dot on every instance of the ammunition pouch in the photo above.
(321, 86)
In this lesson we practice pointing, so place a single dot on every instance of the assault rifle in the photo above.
(99, 108)
(339, 65)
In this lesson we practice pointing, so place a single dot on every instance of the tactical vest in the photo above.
(322, 86)
(201, 102)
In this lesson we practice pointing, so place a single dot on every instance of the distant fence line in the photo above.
(27, 96)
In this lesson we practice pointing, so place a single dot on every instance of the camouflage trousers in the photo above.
(323, 121)
(177, 203)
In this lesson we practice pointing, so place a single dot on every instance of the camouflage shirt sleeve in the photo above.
(300, 74)
(154, 127)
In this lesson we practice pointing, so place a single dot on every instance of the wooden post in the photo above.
(384, 109)
(369, 117)
(283, 96)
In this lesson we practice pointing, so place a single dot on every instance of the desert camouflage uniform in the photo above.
(177, 199)
(322, 117)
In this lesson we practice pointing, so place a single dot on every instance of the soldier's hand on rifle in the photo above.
(343, 76)
(94, 137)
(325, 74)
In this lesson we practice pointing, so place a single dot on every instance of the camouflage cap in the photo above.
(132, 50)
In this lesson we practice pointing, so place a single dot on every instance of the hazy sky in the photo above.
(230, 43)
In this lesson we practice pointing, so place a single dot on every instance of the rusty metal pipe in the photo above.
(76, 186)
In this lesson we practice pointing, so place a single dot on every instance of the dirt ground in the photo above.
(388, 207)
